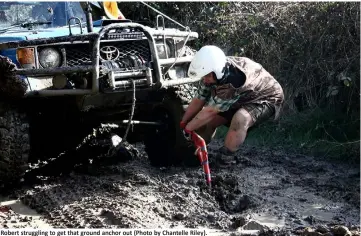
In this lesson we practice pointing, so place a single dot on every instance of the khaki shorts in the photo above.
(258, 112)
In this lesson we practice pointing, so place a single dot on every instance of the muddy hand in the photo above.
(187, 134)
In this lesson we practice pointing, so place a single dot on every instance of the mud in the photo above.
(14, 214)
(11, 86)
(266, 192)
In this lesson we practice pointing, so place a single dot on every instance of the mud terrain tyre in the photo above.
(14, 144)
(166, 145)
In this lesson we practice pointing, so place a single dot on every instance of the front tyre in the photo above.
(166, 145)
(14, 145)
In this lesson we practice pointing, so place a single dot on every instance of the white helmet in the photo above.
(208, 59)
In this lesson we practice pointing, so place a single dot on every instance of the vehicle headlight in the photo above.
(177, 72)
(49, 58)
(162, 49)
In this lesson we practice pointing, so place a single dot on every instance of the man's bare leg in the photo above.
(208, 131)
(237, 133)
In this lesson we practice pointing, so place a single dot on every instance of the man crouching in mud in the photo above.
(236, 92)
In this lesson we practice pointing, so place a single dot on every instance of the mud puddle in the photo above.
(267, 192)
(14, 214)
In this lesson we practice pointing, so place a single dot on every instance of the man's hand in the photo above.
(186, 133)
(183, 125)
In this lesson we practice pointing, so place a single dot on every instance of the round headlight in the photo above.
(163, 50)
(49, 58)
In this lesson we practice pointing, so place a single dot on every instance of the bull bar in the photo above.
(94, 68)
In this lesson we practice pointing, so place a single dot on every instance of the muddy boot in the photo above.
(224, 157)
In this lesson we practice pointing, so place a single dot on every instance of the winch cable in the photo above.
(164, 15)
(180, 53)
(176, 22)
(131, 113)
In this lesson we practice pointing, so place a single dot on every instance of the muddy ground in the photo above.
(268, 191)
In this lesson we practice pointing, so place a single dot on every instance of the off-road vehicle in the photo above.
(64, 73)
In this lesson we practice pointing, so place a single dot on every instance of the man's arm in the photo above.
(193, 108)
(202, 118)
(197, 103)
(214, 106)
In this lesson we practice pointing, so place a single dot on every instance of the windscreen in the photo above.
(55, 13)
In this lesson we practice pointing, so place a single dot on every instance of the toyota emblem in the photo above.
(109, 53)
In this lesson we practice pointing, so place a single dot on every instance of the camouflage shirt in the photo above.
(259, 87)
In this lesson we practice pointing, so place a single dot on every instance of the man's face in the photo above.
(209, 79)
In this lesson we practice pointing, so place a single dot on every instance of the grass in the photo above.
(315, 132)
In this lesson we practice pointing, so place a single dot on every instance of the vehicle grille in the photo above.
(78, 54)
(81, 54)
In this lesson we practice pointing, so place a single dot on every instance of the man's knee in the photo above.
(241, 120)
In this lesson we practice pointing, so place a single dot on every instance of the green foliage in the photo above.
(316, 131)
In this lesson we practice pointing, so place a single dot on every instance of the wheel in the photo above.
(165, 144)
(14, 128)
(14, 145)
(56, 125)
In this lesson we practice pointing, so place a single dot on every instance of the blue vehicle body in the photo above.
(62, 12)
(56, 49)
(25, 34)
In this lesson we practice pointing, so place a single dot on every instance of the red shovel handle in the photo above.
(202, 154)
(199, 141)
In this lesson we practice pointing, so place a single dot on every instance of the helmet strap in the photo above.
(226, 72)
(232, 76)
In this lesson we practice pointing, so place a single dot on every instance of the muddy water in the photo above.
(267, 191)
(14, 214)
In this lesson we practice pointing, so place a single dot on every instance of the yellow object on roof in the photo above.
(112, 11)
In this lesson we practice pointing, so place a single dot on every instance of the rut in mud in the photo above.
(265, 190)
